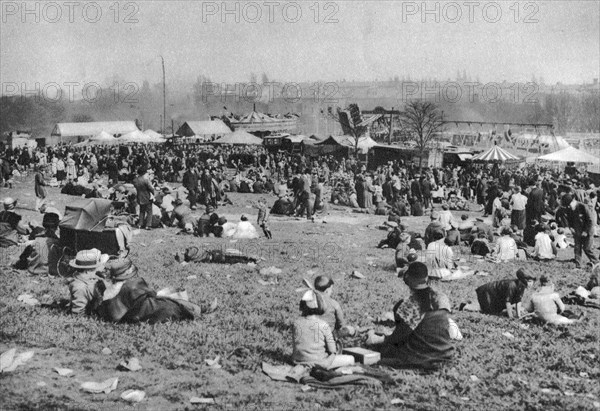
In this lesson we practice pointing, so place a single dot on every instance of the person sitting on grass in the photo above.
(41, 256)
(11, 224)
(545, 249)
(501, 296)
(506, 248)
(546, 304)
(392, 239)
(481, 246)
(245, 229)
(129, 299)
(560, 240)
(86, 264)
(312, 338)
(332, 311)
(428, 344)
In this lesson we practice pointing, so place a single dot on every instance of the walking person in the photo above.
(580, 221)
(145, 194)
(40, 187)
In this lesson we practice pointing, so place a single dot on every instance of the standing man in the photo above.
(145, 193)
(518, 203)
(190, 182)
(579, 220)
(39, 186)
(535, 203)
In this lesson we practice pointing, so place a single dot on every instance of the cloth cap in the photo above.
(566, 200)
(88, 259)
(121, 269)
(435, 215)
(51, 220)
(323, 282)
(9, 203)
(524, 276)
(416, 276)
(210, 209)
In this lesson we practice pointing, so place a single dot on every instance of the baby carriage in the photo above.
(87, 225)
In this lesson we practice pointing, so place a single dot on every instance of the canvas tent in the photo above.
(203, 129)
(495, 154)
(364, 143)
(239, 137)
(135, 137)
(153, 134)
(544, 141)
(570, 155)
(103, 138)
(91, 129)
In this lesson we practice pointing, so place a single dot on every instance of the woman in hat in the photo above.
(86, 264)
(422, 337)
(502, 295)
(312, 337)
(130, 299)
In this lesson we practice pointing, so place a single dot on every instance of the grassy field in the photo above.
(540, 368)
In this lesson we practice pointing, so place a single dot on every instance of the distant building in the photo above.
(202, 131)
(77, 132)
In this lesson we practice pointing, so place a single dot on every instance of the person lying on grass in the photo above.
(422, 337)
(501, 296)
(312, 338)
(128, 298)
(546, 305)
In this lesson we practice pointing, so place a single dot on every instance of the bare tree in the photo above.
(423, 120)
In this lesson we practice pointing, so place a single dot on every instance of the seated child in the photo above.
(312, 338)
(560, 240)
(544, 249)
(547, 305)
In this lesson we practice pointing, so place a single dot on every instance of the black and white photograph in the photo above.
(299, 205)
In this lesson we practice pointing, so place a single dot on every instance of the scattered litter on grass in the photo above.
(41, 384)
(310, 273)
(28, 299)
(143, 244)
(192, 277)
(9, 361)
(270, 271)
(396, 401)
(596, 404)
(549, 391)
(443, 394)
(63, 372)
(132, 364)
(251, 264)
(358, 275)
(306, 388)
(133, 395)
(482, 273)
(524, 326)
(198, 400)
(569, 393)
(465, 398)
(474, 378)
(508, 335)
(106, 351)
(105, 386)
(160, 240)
(584, 374)
(184, 263)
(214, 364)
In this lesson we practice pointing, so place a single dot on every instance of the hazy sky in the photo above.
(362, 40)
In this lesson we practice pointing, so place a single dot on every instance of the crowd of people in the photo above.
(525, 213)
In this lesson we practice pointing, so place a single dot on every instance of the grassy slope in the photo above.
(253, 325)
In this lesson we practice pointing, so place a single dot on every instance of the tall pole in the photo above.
(164, 95)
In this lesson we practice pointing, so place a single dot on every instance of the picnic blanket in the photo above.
(329, 379)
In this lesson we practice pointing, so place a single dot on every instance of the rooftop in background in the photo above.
(93, 128)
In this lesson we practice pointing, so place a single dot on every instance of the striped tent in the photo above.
(495, 154)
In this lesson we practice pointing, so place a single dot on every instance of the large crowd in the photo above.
(524, 213)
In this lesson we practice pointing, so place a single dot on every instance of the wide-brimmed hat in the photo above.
(416, 276)
(88, 259)
(121, 269)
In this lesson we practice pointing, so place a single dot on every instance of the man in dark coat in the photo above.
(415, 189)
(535, 203)
(145, 192)
(579, 219)
(190, 182)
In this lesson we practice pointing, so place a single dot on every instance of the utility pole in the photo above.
(164, 96)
